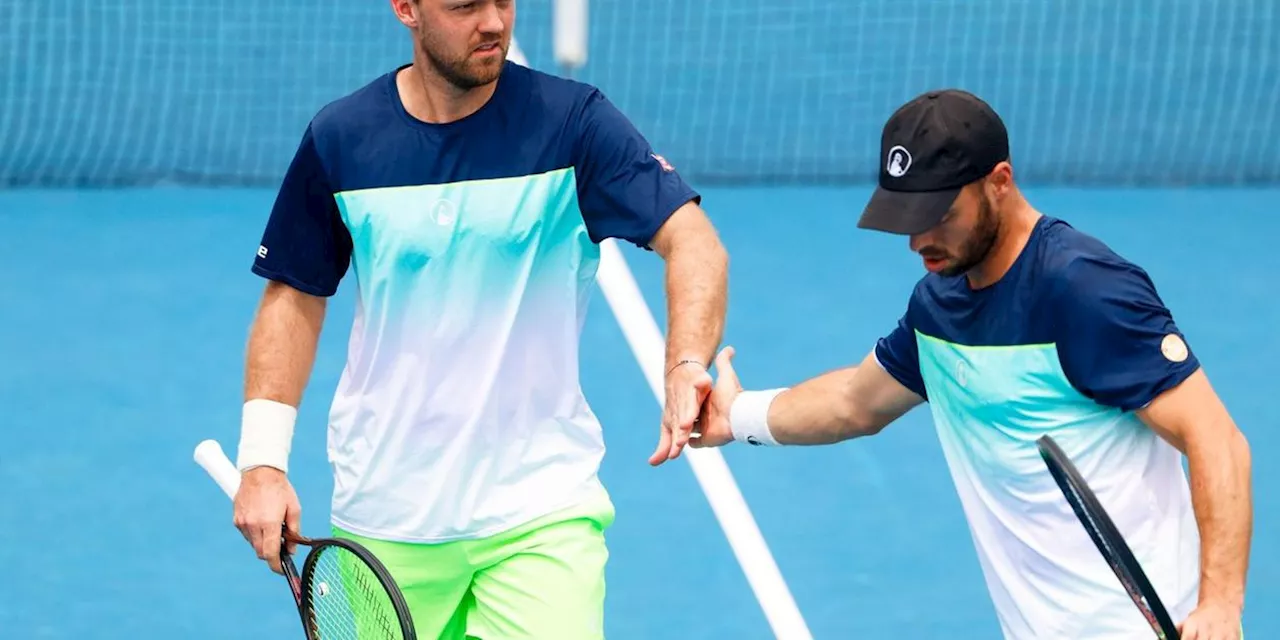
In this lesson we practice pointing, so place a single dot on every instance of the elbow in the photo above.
(859, 424)
(284, 305)
(868, 428)
(701, 256)
(721, 256)
(707, 243)
(1219, 444)
(716, 248)
(1240, 450)
(690, 237)
(712, 251)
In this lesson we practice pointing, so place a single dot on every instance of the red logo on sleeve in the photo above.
(666, 166)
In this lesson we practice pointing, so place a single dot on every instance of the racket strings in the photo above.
(347, 600)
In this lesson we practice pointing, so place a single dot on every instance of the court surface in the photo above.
(122, 328)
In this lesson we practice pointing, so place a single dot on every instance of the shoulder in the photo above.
(1102, 302)
(1076, 267)
(588, 112)
(553, 88)
(927, 290)
(1117, 342)
(350, 121)
(933, 292)
(355, 111)
(1064, 245)
(927, 305)
(550, 95)
(573, 117)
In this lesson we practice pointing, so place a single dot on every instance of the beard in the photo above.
(980, 242)
(466, 72)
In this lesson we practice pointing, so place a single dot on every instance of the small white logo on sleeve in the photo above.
(1173, 348)
(898, 162)
(666, 166)
(262, 251)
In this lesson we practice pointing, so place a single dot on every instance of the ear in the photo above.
(1000, 181)
(406, 12)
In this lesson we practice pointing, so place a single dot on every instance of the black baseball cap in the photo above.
(930, 148)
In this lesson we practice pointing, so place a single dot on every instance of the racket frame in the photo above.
(379, 570)
(290, 570)
(1107, 538)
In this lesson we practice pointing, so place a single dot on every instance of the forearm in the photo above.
(815, 412)
(697, 283)
(835, 406)
(282, 348)
(282, 345)
(1220, 491)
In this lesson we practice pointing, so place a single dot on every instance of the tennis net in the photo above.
(739, 91)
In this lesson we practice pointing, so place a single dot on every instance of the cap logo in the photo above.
(898, 162)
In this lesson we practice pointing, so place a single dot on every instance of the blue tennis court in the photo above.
(123, 330)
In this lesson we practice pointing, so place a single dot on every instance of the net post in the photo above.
(516, 54)
(569, 33)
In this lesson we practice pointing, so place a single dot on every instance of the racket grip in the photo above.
(209, 456)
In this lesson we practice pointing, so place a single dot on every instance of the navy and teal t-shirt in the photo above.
(1071, 342)
(474, 247)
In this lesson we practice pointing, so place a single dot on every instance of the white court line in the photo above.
(709, 467)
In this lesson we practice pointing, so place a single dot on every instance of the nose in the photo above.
(918, 241)
(493, 21)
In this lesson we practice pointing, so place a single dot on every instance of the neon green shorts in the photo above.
(544, 579)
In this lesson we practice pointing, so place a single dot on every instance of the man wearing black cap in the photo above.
(1024, 326)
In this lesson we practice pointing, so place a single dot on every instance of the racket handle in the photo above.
(209, 455)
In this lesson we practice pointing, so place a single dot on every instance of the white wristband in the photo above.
(749, 417)
(266, 434)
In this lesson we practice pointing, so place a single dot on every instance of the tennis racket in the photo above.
(343, 590)
(1107, 538)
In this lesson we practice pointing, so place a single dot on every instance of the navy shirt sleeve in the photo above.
(1117, 342)
(625, 190)
(305, 244)
(900, 356)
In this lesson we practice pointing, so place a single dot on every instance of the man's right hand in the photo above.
(713, 426)
(264, 502)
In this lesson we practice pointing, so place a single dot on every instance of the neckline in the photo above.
(1015, 266)
(397, 104)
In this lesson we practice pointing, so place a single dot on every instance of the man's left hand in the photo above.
(1211, 621)
(688, 385)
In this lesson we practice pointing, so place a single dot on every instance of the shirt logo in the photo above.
(898, 162)
(666, 166)
(1173, 348)
(443, 213)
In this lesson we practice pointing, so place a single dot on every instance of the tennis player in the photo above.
(468, 195)
(1025, 326)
